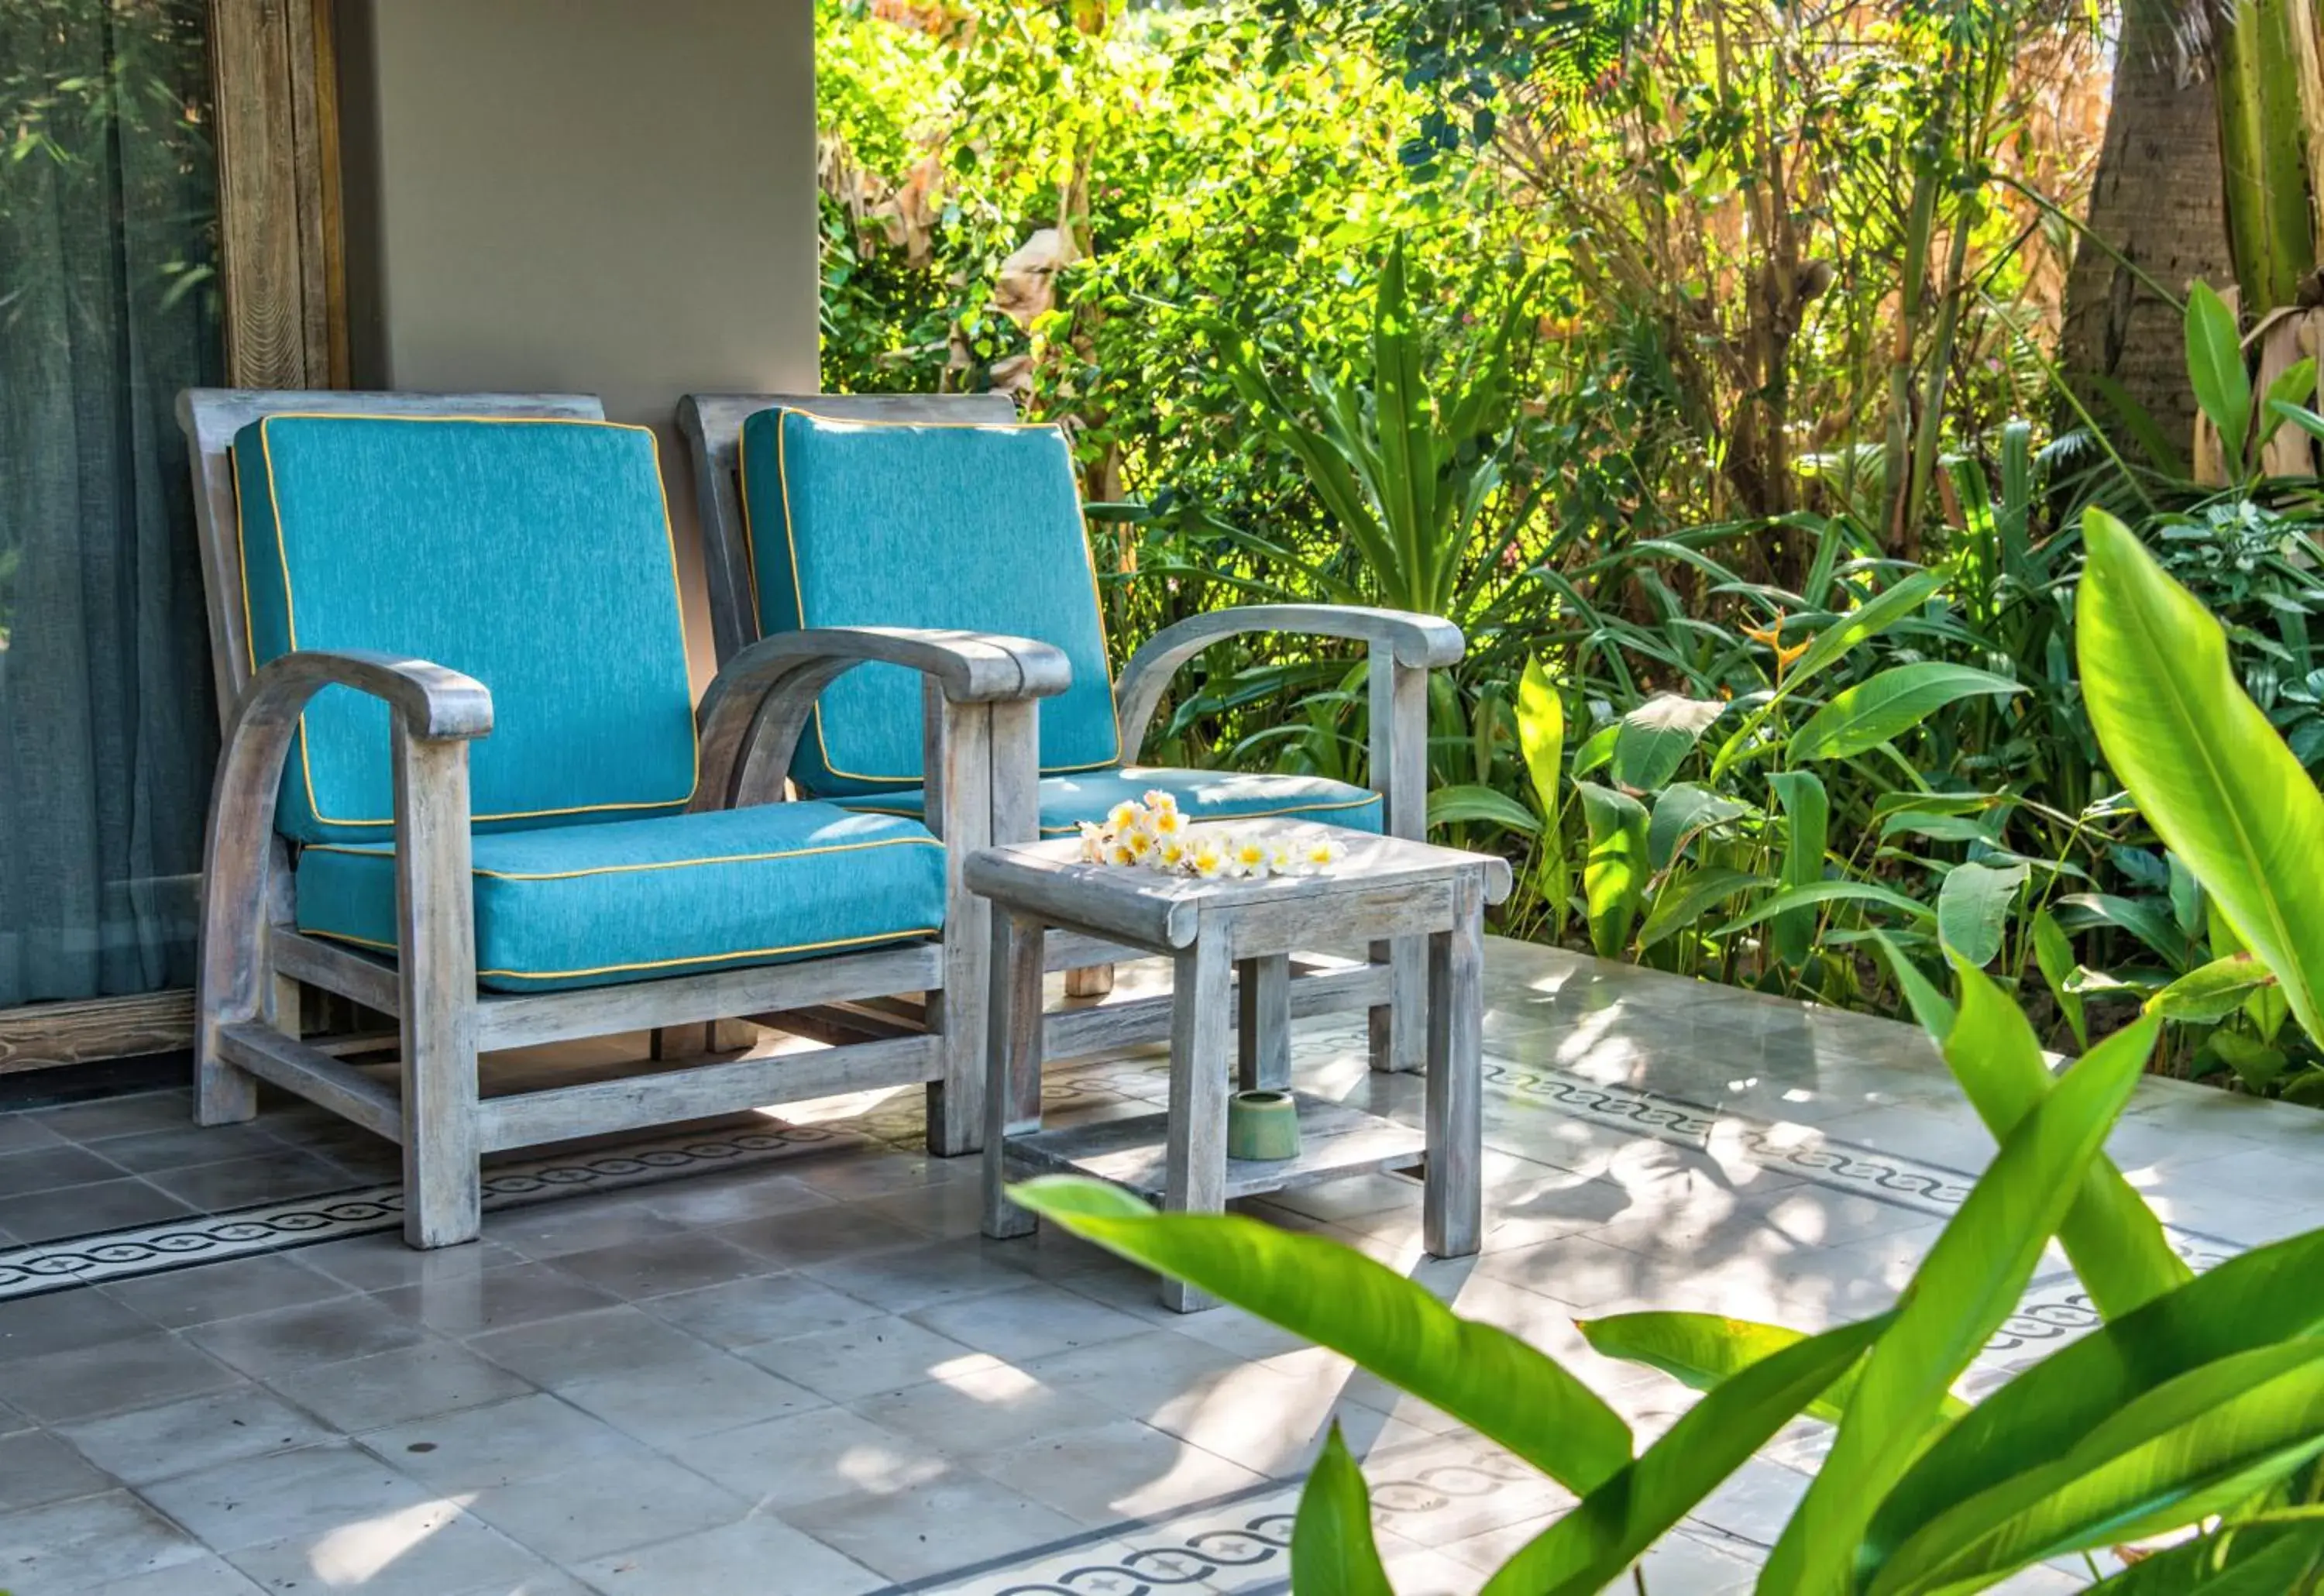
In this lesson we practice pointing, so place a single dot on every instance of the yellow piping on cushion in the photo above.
(790, 539)
(708, 958)
(379, 850)
(290, 619)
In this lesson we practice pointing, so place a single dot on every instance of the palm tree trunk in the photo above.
(2156, 203)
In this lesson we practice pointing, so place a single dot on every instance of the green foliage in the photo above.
(2200, 1400)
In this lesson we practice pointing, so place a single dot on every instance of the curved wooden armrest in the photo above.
(1425, 642)
(435, 703)
(752, 714)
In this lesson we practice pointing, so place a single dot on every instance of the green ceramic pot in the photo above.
(1263, 1126)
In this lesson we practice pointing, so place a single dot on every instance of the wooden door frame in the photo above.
(282, 271)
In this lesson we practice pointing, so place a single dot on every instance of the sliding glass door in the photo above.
(108, 305)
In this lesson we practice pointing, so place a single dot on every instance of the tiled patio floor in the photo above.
(804, 1374)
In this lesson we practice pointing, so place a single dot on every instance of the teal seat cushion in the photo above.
(532, 555)
(571, 906)
(1202, 795)
(970, 527)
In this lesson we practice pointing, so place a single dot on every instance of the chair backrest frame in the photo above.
(713, 426)
(211, 417)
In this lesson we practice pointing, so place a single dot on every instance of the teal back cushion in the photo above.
(974, 528)
(534, 556)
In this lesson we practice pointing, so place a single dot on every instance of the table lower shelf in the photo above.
(1334, 1139)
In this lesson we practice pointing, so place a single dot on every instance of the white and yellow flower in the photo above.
(1160, 802)
(1207, 857)
(1123, 815)
(1170, 852)
(1321, 852)
(1118, 854)
(1093, 841)
(1250, 856)
(1166, 823)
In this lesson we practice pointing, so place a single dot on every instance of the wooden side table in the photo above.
(1231, 942)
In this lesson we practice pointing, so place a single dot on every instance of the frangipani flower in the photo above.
(1207, 859)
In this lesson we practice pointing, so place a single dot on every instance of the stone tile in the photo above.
(207, 1575)
(1577, 1270)
(125, 1115)
(46, 1169)
(224, 1290)
(382, 1262)
(761, 1555)
(658, 1266)
(482, 1448)
(580, 1224)
(285, 1340)
(393, 1387)
(974, 1411)
(955, 1208)
(147, 1151)
(927, 1528)
(149, 1444)
(728, 1197)
(872, 1355)
(22, 1132)
(580, 1347)
(296, 1494)
(110, 1377)
(813, 1235)
(88, 1542)
(780, 1462)
(88, 1210)
(65, 1321)
(607, 1505)
(1029, 1321)
(37, 1468)
(764, 1307)
(1108, 1472)
(704, 1391)
(494, 1299)
(1139, 1376)
(238, 1183)
(910, 1277)
(430, 1548)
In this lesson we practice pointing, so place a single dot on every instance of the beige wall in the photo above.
(609, 196)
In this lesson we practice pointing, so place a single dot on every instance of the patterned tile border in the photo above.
(182, 1243)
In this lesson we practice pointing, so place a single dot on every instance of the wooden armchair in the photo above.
(822, 510)
(464, 784)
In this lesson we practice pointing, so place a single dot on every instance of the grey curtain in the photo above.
(108, 305)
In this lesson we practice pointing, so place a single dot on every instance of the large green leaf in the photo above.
(2211, 992)
(2200, 760)
(1702, 1350)
(1614, 877)
(1792, 898)
(1683, 810)
(1861, 625)
(1656, 737)
(1931, 1008)
(1966, 1286)
(1889, 704)
(1587, 1549)
(1447, 805)
(1335, 1296)
(2195, 1446)
(2055, 955)
(2247, 1559)
(1807, 813)
(1541, 734)
(1332, 1552)
(2254, 1300)
(1973, 909)
(1683, 898)
(2110, 1236)
(2215, 367)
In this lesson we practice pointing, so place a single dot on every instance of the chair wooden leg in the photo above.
(1012, 1086)
(436, 971)
(1091, 981)
(958, 757)
(1452, 1207)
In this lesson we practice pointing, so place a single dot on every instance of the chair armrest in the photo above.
(751, 716)
(436, 712)
(1422, 642)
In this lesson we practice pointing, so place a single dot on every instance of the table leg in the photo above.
(1196, 1167)
(1452, 1207)
(1012, 1052)
(1264, 1055)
